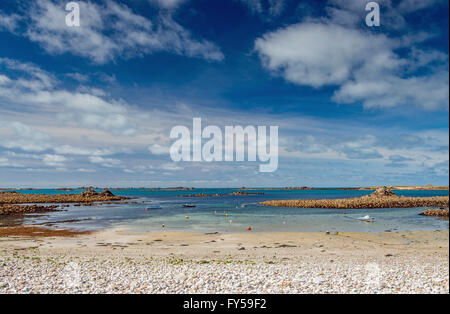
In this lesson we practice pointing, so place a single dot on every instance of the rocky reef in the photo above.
(10, 200)
(383, 197)
(436, 213)
(88, 196)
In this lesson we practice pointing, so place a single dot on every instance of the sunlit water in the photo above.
(234, 214)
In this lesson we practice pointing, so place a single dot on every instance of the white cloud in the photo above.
(85, 170)
(157, 149)
(110, 31)
(4, 162)
(54, 160)
(78, 77)
(317, 54)
(363, 65)
(105, 162)
(171, 167)
(23, 137)
(82, 151)
(9, 22)
(167, 4)
(82, 109)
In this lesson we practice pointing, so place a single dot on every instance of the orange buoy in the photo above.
(147, 208)
(187, 217)
(249, 228)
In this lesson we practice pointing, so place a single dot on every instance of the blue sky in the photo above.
(94, 105)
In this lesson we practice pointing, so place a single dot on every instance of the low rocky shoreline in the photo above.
(381, 198)
(8, 210)
(10, 202)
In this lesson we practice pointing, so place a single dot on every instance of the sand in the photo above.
(118, 261)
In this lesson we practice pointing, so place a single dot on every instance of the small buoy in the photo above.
(147, 208)
(187, 217)
(163, 226)
(226, 215)
(249, 228)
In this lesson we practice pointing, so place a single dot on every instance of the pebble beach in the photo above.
(117, 261)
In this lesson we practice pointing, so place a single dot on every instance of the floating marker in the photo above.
(187, 217)
(249, 228)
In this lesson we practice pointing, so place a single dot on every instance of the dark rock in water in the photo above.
(107, 193)
(89, 193)
(435, 213)
(383, 192)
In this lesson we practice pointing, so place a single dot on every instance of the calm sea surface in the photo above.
(233, 214)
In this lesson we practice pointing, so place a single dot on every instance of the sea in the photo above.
(163, 211)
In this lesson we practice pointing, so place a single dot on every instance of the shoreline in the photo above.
(183, 189)
(117, 261)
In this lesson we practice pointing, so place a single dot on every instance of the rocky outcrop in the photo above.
(436, 213)
(88, 196)
(107, 193)
(383, 191)
(385, 201)
(6, 210)
(89, 193)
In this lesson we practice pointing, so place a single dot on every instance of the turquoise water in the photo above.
(210, 213)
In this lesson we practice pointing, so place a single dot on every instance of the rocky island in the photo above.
(383, 197)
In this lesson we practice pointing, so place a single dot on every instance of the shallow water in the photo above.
(210, 215)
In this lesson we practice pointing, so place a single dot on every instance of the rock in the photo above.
(383, 192)
(107, 193)
(89, 193)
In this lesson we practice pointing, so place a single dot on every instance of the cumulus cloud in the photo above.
(167, 4)
(35, 88)
(105, 162)
(24, 137)
(363, 66)
(9, 22)
(112, 30)
(317, 54)
(54, 160)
